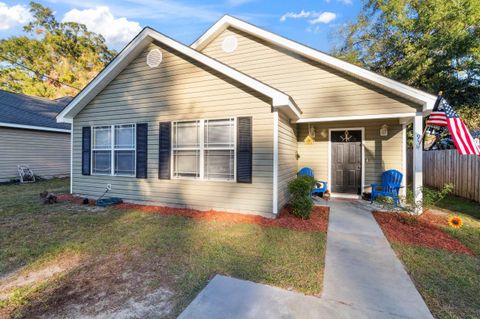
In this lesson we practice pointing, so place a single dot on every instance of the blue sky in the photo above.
(314, 23)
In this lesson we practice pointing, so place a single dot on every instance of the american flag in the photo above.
(444, 115)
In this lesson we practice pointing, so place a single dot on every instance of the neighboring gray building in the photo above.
(30, 135)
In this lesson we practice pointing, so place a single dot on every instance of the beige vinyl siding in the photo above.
(381, 153)
(319, 91)
(287, 157)
(46, 153)
(179, 89)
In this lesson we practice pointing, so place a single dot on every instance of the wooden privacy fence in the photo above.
(447, 166)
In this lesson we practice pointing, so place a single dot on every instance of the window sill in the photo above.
(115, 175)
(204, 180)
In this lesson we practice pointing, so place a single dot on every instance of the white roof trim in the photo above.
(37, 128)
(425, 99)
(139, 43)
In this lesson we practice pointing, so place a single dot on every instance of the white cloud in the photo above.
(116, 31)
(295, 15)
(314, 16)
(166, 11)
(324, 17)
(12, 16)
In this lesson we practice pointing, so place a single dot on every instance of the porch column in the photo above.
(403, 190)
(418, 160)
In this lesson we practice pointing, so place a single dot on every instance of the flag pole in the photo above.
(440, 93)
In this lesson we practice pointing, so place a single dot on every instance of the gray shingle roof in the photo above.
(33, 111)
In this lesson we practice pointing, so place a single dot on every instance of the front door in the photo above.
(346, 161)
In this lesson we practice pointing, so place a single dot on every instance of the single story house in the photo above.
(222, 124)
(30, 135)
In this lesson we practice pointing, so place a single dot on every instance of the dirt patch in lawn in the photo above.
(423, 231)
(318, 221)
(41, 273)
(153, 305)
(123, 285)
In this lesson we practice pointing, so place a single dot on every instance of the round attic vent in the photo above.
(154, 58)
(229, 44)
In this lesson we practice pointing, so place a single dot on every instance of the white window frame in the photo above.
(202, 150)
(112, 149)
(200, 126)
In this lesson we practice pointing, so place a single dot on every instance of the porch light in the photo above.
(310, 139)
(311, 131)
(324, 133)
(384, 130)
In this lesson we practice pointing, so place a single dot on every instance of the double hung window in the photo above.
(204, 149)
(113, 150)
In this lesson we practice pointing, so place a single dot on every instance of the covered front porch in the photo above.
(351, 153)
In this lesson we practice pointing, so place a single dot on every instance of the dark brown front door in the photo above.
(346, 161)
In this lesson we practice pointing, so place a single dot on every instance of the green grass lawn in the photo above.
(461, 205)
(449, 282)
(116, 256)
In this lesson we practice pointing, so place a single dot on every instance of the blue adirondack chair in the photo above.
(321, 186)
(391, 182)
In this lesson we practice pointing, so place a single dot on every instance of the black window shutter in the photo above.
(142, 150)
(86, 142)
(164, 150)
(244, 150)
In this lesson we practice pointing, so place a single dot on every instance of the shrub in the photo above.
(301, 202)
(301, 206)
(301, 186)
(430, 197)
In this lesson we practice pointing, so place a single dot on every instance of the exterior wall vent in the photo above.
(229, 44)
(154, 58)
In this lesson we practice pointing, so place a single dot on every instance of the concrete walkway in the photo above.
(226, 297)
(361, 269)
(363, 280)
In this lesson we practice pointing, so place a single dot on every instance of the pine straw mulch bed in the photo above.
(423, 231)
(318, 221)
